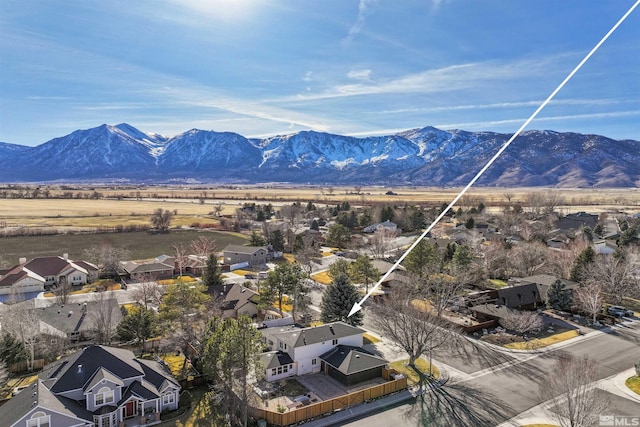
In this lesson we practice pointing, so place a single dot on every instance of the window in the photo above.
(283, 345)
(274, 371)
(104, 396)
(285, 368)
(314, 361)
(39, 419)
(168, 399)
(334, 342)
(106, 420)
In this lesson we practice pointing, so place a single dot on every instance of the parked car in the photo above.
(620, 311)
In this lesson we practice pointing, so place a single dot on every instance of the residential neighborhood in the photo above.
(482, 296)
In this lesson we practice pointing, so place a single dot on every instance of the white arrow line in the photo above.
(357, 306)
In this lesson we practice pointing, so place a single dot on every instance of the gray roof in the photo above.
(273, 359)
(243, 249)
(80, 371)
(351, 360)
(76, 317)
(299, 337)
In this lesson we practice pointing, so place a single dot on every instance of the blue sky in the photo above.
(267, 67)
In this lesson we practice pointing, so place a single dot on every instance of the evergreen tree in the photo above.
(462, 257)
(212, 276)
(586, 257)
(256, 239)
(558, 296)
(315, 225)
(598, 230)
(338, 300)
(277, 240)
(422, 259)
(363, 271)
(338, 236)
(138, 324)
(12, 350)
(470, 223)
(387, 214)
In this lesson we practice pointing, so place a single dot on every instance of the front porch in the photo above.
(149, 419)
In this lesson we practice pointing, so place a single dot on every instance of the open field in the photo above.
(138, 245)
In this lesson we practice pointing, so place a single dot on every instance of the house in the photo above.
(75, 322)
(386, 225)
(393, 279)
(297, 351)
(251, 255)
(236, 300)
(97, 386)
(605, 247)
(40, 273)
(161, 267)
(577, 221)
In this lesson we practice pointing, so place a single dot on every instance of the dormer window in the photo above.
(39, 419)
(104, 396)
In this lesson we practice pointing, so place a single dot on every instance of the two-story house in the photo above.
(98, 386)
(297, 351)
(251, 255)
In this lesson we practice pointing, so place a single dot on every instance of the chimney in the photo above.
(65, 256)
(22, 261)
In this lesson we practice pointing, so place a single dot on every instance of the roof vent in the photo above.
(70, 313)
(79, 369)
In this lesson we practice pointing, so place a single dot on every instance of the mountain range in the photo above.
(422, 157)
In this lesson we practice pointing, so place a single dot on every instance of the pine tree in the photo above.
(211, 276)
(586, 257)
(558, 296)
(338, 300)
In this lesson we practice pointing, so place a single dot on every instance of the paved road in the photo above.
(489, 387)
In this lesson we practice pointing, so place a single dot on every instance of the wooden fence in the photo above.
(327, 407)
(24, 367)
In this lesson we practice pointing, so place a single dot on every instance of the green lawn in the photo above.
(137, 245)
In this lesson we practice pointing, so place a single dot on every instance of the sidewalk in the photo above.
(340, 417)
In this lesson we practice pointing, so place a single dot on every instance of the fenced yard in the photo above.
(287, 416)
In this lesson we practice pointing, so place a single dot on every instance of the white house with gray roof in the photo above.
(297, 351)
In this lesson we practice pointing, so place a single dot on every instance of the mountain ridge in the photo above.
(421, 156)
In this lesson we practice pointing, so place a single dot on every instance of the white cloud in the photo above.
(364, 75)
(363, 10)
(307, 76)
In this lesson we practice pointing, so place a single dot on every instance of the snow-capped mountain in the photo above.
(426, 156)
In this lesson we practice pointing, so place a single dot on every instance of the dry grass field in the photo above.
(197, 204)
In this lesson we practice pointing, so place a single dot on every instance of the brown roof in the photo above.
(47, 266)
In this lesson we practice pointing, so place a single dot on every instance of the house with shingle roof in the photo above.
(252, 255)
(97, 386)
(161, 267)
(299, 351)
(351, 365)
(43, 272)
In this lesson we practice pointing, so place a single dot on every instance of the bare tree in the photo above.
(572, 385)
(616, 273)
(4, 374)
(441, 289)
(380, 242)
(62, 291)
(535, 202)
(551, 200)
(522, 322)
(148, 292)
(202, 246)
(181, 256)
(418, 332)
(590, 299)
(21, 321)
(527, 259)
(161, 219)
(106, 256)
(105, 317)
